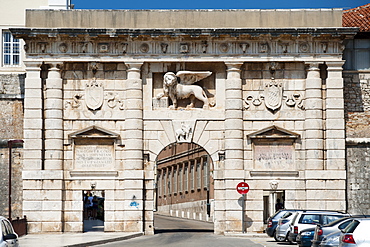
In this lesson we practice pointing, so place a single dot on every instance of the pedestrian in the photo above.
(86, 207)
(95, 206)
(278, 205)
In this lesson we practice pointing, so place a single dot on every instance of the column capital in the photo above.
(335, 65)
(132, 66)
(33, 65)
(55, 65)
(233, 66)
(133, 69)
(313, 65)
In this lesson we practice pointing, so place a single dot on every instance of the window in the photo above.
(169, 181)
(174, 187)
(159, 183)
(181, 178)
(192, 176)
(164, 183)
(357, 54)
(199, 174)
(330, 218)
(186, 177)
(11, 52)
(310, 219)
(205, 172)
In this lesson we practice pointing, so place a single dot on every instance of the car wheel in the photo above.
(290, 242)
(279, 238)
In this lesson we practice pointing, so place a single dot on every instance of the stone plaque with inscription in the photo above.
(94, 157)
(274, 157)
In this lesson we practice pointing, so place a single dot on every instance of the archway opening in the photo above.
(185, 183)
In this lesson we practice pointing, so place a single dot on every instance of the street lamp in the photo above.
(10, 145)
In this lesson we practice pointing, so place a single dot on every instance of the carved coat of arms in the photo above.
(94, 95)
(273, 95)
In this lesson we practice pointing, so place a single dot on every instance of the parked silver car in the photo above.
(356, 234)
(283, 226)
(322, 230)
(8, 237)
(308, 219)
(331, 240)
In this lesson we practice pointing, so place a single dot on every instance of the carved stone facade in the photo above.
(276, 117)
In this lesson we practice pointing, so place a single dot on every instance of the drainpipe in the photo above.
(10, 145)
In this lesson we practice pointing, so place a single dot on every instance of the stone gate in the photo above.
(261, 91)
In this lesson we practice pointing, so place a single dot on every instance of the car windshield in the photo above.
(286, 215)
(309, 219)
(351, 227)
(333, 223)
(330, 218)
(278, 214)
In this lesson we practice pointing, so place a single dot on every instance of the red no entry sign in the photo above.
(242, 188)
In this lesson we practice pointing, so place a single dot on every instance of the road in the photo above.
(176, 232)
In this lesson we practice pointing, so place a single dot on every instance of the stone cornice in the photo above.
(205, 43)
(192, 32)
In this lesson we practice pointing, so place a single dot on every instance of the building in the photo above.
(357, 108)
(107, 91)
(12, 77)
(184, 182)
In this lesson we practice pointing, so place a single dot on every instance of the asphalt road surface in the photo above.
(187, 233)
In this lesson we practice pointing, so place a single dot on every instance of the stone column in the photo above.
(32, 159)
(134, 215)
(53, 188)
(234, 158)
(54, 119)
(335, 124)
(314, 119)
(314, 135)
(335, 137)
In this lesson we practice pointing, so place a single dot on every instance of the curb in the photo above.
(247, 235)
(104, 241)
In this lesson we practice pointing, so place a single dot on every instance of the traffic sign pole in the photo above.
(243, 216)
(243, 189)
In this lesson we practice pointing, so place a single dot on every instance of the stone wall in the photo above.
(358, 193)
(11, 128)
(357, 105)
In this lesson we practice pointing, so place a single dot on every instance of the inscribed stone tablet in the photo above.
(94, 157)
(274, 157)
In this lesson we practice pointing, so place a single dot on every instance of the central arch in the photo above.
(184, 182)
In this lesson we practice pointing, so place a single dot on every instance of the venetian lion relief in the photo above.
(180, 86)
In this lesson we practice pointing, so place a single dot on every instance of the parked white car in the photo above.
(8, 237)
(356, 234)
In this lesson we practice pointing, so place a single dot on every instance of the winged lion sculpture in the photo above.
(179, 86)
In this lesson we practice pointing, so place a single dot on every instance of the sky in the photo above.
(216, 4)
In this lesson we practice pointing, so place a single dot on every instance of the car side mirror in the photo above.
(10, 237)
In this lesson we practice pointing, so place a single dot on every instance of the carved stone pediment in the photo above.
(273, 149)
(272, 133)
(94, 152)
(93, 133)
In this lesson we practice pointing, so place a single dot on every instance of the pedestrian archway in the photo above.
(184, 182)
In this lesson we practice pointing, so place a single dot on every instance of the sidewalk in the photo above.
(93, 236)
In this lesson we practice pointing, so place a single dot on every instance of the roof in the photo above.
(357, 17)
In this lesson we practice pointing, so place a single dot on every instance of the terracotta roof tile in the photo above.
(357, 17)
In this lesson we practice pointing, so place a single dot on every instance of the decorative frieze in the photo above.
(204, 48)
